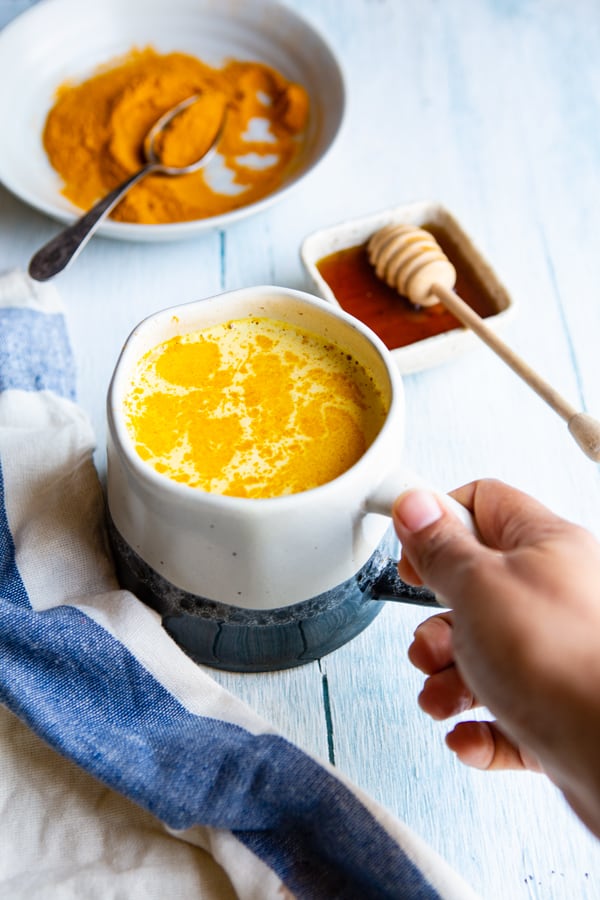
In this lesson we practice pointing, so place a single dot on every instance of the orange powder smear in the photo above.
(94, 134)
(252, 408)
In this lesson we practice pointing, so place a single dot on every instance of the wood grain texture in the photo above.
(490, 107)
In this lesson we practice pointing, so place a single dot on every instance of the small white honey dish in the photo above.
(337, 261)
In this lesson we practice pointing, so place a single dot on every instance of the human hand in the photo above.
(523, 638)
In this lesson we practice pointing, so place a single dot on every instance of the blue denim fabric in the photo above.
(88, 697)
(35, 353)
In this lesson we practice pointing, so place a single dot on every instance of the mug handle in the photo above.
(389, 585)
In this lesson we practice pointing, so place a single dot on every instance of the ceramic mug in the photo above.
(259, 584)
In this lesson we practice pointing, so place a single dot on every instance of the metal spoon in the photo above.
(54, 256)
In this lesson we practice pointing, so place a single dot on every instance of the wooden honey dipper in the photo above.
(410, 260)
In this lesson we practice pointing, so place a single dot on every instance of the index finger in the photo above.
(506, 517)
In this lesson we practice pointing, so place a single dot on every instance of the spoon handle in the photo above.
(54, 256)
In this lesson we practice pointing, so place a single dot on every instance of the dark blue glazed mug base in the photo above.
(229, 637)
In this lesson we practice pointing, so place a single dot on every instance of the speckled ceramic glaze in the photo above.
(249, 584)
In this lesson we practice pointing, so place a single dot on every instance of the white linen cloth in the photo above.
(125, 769)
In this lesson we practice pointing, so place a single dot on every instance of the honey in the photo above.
(392, 317)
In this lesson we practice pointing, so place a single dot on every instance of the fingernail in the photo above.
(417, 509)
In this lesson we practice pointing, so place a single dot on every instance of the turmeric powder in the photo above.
(94, 134)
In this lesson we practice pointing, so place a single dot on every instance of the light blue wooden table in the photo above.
(491, 107)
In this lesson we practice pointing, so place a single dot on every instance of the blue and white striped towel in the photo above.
(222, 806)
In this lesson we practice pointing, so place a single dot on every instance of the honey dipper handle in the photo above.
(584, 428)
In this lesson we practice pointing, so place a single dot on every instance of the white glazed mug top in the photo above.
(256, 554)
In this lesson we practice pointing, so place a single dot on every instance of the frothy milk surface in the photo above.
(252, 408)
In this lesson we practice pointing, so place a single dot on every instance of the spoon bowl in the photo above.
(61, 250)
(161, 125)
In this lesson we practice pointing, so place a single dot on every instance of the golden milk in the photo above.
(252, 408)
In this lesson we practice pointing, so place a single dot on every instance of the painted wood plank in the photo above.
(292, 701)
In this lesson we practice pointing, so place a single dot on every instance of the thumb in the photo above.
(440, 549)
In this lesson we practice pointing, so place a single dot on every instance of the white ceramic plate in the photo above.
(58, 40)
(441, 347)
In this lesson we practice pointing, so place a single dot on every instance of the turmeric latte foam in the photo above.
(252, 408)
